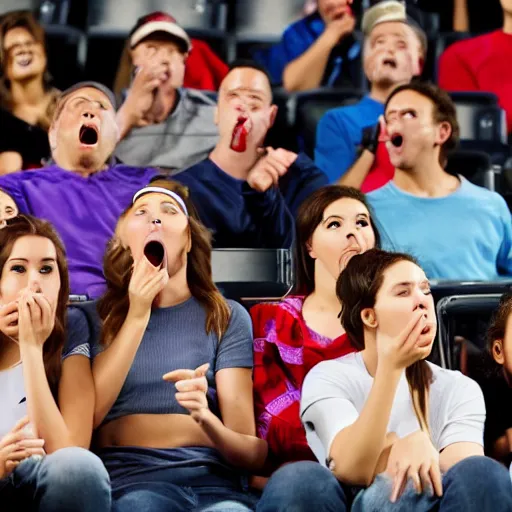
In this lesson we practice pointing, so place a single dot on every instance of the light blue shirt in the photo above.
(339, 133)
(466, 235)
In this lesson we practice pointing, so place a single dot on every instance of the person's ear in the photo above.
(52, 136)
(309, 248)
(273, 115)
(369, 318)
(497, 352)
(444, 131)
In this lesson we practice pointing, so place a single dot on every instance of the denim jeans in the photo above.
(475, 484)
(68, 480)
(303, 487)
(181, 479)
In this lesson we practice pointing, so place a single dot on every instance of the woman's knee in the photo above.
(486, 471)
(75, 466)
(302, 486)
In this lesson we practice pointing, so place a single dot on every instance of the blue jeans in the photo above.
(303, 487)
(68, 480)
(475, 484)
(181, 479)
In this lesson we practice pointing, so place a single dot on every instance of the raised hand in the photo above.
(411, 345)
(17, 446)
(36, 319)
(269, 168)
(340, 27)
(414, 457)
(191, 387)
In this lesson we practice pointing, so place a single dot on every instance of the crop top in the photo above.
(175, 338)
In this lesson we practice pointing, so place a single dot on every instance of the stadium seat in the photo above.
(122, 14)
(311, 106)
(467, 317)
(104, 49)
(265, 17)
(282, 133)
(476, 166)
(482, 124)
(252, 273)
(66, 47)
(15, 5)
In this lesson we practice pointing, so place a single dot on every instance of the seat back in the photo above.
(265, 17)
(250, 273)
(122, 14)
(465, 316)
(312, 105)
(66, 48)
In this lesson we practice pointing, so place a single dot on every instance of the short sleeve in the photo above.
(466, 415)
(235, 347)
(505, 253)
(78, 335)
(327, 406)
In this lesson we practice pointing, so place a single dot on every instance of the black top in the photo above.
(30, 141)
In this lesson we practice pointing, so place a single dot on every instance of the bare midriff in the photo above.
(152, 431)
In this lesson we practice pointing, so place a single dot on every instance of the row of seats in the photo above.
(243, 17)
(463, 309)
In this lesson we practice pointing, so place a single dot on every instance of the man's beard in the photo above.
(88, 162)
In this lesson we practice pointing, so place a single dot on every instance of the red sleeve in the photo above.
(454, 72)
(278, 378)
(204, 70)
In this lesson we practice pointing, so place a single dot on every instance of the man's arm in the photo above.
(358, 172)
(307, 70)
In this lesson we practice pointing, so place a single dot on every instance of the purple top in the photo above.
(84, 212)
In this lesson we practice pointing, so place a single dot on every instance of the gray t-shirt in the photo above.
(175, 338)
(334, 394)
(186, 137)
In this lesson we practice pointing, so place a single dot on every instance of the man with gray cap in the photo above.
(82, 192)
(161, 123)
(393, 53)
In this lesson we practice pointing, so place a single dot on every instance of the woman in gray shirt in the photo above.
(384, 417)
(173, 375)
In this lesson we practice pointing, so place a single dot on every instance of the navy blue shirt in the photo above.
(242, 217)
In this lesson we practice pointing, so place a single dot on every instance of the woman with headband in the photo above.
(173, 376)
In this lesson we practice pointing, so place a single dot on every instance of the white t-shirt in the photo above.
(13, 402)
(334, 393)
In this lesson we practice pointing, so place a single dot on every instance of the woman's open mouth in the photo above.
(88, 135)
(155, 253)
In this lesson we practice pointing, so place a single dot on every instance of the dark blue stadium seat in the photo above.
(482, 124)
(66, 47)
(282, 133)
(309, 107)
(104, 49)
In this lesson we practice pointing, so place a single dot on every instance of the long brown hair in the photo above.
(113, 307)
(25, 225)
(357, 289)
(26, 20)
(309, 216)
(124, 71)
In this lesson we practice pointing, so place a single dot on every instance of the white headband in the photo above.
(161, 190)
